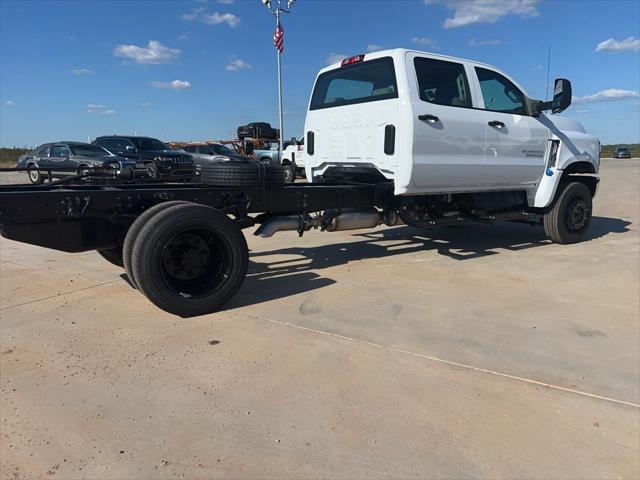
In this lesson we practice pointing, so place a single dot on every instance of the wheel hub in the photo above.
(186, 257)
(578, 214)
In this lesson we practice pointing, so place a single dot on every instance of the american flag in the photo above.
(278, 38)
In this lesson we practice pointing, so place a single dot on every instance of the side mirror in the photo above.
(561, 95)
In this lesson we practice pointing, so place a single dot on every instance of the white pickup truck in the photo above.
(455, 136)
(293, 158)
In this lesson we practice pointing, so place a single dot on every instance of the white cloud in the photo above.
(631, 44)
(9, 103)
(184, 36)
(99, 109)
(582, 110)
(373, 47)
(481, 43)
(193, 14)
(468, 12)
(610, 95)
(174, 85)
(226, 2)
(215, 18)
(154, 53)
(146, 104)
(425, 42)
(81, 71)
(538, 68)
(335, 58)
(237, 64)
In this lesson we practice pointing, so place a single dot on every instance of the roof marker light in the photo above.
(352, 60)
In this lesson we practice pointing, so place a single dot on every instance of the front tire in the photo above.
(570, 216)
(190, 259)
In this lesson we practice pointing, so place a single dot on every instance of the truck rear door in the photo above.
(449, 134)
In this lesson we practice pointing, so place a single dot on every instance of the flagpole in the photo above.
(280, 112)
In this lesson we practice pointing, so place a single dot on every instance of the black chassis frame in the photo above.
(77, 218)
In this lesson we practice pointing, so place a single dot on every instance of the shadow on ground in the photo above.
(270, 280)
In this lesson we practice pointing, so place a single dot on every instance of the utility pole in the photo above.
(278, 40)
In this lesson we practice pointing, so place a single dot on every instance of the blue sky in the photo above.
(196, 69)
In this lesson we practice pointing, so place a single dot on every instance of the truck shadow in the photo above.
(270, 280)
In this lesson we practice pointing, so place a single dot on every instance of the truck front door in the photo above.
(449, 134)
(516, 142)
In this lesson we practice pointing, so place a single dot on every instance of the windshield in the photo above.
(623, 149)
(88, 150)
(362, 82)
(221, 150)
(149, 144)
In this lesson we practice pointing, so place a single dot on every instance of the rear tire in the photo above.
(242, 174)
(134, 231)
(570, 216)
(190, 259)
(34, 174)
(112, 255)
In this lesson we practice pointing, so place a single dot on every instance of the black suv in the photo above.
(261, 130)
(157, 157)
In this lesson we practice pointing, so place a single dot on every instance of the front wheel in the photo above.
(189, 259)
(570, 216)
(152, 170)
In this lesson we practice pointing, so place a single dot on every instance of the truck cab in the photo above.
(435, 124)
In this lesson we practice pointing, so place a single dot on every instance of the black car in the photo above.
(157, 157)
(258, 130)
(622, 152)
(66, 159)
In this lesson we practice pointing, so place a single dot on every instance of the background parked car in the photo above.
(257, 130)
(206, 153)
(622, 152)
(65, 159)
(157, 157)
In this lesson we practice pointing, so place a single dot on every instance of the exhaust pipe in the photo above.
(355, 220)
(278, 224)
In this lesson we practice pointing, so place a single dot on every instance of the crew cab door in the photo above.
(449, 134)
(516, 142)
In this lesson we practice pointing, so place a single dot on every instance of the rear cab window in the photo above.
(368, 81)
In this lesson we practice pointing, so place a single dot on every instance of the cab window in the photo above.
(499, 93)
(358, 83)
(441, 82)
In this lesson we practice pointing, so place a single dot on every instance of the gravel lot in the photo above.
(483, 351)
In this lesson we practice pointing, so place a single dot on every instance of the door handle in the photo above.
(496, 123)
(429, 118)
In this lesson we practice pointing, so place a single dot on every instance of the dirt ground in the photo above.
(482, 351)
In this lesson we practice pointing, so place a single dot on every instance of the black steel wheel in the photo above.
(189, 259)
(134, 231)
(570, 216)
(34, 174)
(112, 255)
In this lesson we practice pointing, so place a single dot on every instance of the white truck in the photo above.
(293, 158)
(391, 137)
(456, 137)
